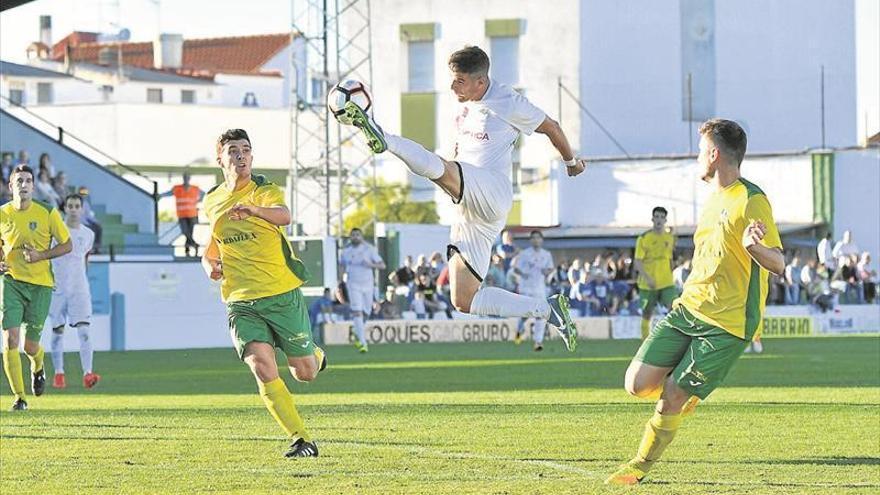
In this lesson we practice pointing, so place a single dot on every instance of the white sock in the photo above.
(419, 160)
(492, 301)
(58, 350)
(85, 347)
(359, 329)
(538, 330)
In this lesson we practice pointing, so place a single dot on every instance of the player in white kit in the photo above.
(358, 261)
(533, 266)
(490, 119)
(72, 298)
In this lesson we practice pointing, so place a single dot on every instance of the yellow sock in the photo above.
(279, 402)
(646, 328)
(12, 367)
(659, 433)
(37, 359)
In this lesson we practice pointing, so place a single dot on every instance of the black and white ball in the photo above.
(344, 92)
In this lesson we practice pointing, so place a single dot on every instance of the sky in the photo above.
(144, 18)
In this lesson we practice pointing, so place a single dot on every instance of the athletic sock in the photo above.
(12, 367)
(646, 328)
(538, 330)
(419, 160)
(37, 359)
(492, 301)
(86, 351)
(58, 351)
(359, 329)
(659, 432)
(279, 402)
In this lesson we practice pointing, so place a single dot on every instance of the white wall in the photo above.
(65, 90)
(767, 62)
(268, 90)
(281, 62)
(856, 203)
(868, 67)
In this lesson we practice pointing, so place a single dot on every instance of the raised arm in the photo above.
(553, 131)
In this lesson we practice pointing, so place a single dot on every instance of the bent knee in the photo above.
(304, 375)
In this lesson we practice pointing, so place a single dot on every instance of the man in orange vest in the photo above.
(187, 197)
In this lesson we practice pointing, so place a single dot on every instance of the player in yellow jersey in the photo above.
(27, 228)
(689, 352)
(653, 261)
(260, 279)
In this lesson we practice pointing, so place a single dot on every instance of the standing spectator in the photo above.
(46, 164)
(187, 197)
(59, 183)
(604, 302)
(5, 193)
(426, 294)
(792, 278)
(437, 265)
(495, 276)
(89, 219)
(320, 313)
(845, 248)
(358, 261)
(823, 251)
(583, 294)
(388, 310)
(43, 190)
(24, 158)
(507, 250)
(574, 276)
(5, 167)
(868, 278)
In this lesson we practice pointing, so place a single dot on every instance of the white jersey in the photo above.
(487, 129)
(70, 269)
(357, 260)
(530, 264)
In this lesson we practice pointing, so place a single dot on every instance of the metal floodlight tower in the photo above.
(330, 42)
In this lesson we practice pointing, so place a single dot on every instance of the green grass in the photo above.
(450, 418)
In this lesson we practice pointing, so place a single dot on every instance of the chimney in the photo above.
(46, 30)
(168, 51)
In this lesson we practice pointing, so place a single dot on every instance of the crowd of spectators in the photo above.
(50, 187)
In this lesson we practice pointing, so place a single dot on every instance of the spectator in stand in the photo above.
(46, 164)
(563, 286)
(845, 248)
(89, 219)
(844, 279)
(320, 313)
(403, 277)
(792, 278)
(495, 277)
(387, 309)
(574, 277)
(59, 183)
(680, 273)
(187, 197)
(43, 190)
(507, 250)
(583, 294)
(422, 266)
(6, 167)
(24, 158)
(5, 193)
(443, 288)
(426, 290)
(823, 251)
(603, 299)
(437, 265)
(868, 278)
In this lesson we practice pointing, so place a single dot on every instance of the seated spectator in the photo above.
(403, 277)
(603, 300)
(418, 306)
(426, 290)
(844, 248)
(388, 309)
(24, 158)
(321, 312)
(6, 167)
(43, 190)
(564, 286)
(844, 281)
(46, 164)
(437, 264)
(59, 183)
(5, 193)
(507, 249)
(422, 266)
(868, 278)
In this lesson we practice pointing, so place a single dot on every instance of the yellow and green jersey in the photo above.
(726, 287)
(36, 226)
(655, 252)
(256, 256)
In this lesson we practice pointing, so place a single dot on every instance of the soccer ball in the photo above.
(344, 92)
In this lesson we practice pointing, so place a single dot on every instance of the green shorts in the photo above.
(24, 305)
(700, 354)
(648, 298)
(281, 320)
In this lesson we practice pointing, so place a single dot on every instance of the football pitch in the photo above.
(804, 417)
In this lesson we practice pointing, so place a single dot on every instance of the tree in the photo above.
(392, 205)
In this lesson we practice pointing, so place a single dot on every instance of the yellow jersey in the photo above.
(257, 258)
(726, 287)
(655, 252)
(35, 226)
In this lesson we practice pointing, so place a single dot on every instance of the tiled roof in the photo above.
(240, 54)
(73, 39)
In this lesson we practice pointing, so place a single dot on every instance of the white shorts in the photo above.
(536, 292)
(361, 298)
(70, 306)
(486, 199)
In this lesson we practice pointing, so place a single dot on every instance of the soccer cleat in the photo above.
(560, 318)
(518, 338)
(19, 405)
(539, 347)
(374, 134)
(301, 448)
(38, 383)
(626, 475)
(91, 379)
(321, 358)
(757, 347)
(58, 381)
(748, 349)
(363, 349)
(690, 406)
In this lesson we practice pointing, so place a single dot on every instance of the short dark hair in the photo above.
(231, 135)
(470, 60)
(659, 209)
(22, 168)
(355, 229)
(540, 234)
(73, 196)
(728, 136)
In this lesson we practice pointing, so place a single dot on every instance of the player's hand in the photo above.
(754, 233)
(4, 267)
(216, 270)
(241, 212)
(31, 255)
(579, 165)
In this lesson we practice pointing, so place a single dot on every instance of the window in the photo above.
(249, 100)
(16, 96)
(154, 95)
(420, 66)
(44, 93)
(504, 52)
(187, 96)
(106, 92)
